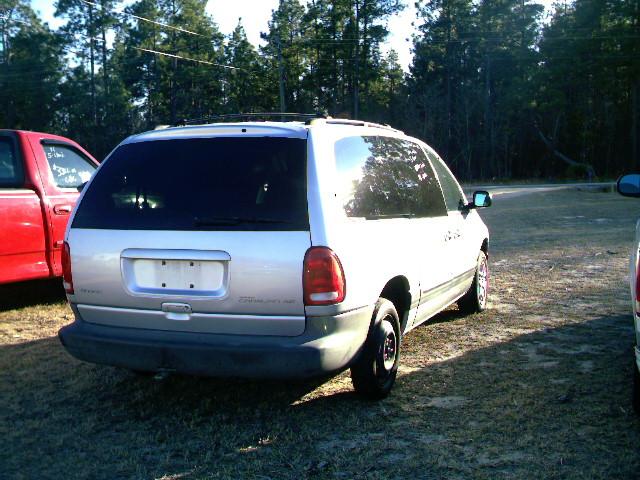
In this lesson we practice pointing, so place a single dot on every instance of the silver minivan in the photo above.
(269, 249)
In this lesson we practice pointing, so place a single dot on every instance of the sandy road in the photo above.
(509, 191)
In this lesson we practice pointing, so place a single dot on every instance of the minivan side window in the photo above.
(11, 174)
(453, 195)
(69, 168)
(385, 177)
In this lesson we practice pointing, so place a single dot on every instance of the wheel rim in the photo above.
(389, 348)
(482, 283)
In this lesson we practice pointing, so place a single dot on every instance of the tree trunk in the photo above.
(105, 76)
(356, 69)
(334, 59)
(365, 50)
(449, 107)
(91, 32)
(635, 106)
(488, 119)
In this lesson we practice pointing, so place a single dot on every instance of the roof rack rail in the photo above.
(252, 116)
(355, 123)
(308, 118)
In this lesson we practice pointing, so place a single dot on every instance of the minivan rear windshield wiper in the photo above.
(224, 221)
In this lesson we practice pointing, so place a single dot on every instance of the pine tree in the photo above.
(30, 68)
(587, 102)
(243, 87)
(287, 55)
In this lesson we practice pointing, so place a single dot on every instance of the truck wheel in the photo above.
(374, 373)
(636, 388)
(475, 300)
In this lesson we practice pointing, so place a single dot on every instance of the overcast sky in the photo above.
(256, 13)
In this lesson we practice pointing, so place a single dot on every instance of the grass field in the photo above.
(538, 386)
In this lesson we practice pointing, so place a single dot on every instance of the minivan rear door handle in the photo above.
(62, 209)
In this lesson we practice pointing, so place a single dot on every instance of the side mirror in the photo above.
(481, 199)
(629, 185)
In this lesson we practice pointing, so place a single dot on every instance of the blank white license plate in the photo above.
(197, 275)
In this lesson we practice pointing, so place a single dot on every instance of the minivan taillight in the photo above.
(323, 278)
(67, 279)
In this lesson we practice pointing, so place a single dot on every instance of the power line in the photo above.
(188, 59)
(144, 19)
(79, 53)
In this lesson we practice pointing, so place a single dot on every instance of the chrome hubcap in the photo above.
(389, 351)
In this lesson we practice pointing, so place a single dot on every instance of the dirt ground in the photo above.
(538, 386)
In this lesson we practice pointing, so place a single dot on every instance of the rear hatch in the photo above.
(195, 234)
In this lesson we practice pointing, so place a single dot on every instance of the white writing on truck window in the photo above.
(68, 167)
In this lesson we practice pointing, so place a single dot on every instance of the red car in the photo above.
(41, 176)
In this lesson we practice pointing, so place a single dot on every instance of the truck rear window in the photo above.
(227, 183)
(10, 165)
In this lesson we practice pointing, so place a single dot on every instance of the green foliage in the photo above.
(30, 68)
(588, 82)
(487, 83)
(471, 82)
(243, 90)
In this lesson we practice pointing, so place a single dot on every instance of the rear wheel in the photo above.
(475, 300)
(374, 373)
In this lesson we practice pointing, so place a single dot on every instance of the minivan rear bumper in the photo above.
(329, 344)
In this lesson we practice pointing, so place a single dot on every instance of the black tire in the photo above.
(374, 372)
(635, 397)
(475, 300)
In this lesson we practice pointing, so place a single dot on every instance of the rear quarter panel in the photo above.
(371, 252)
(374, 252)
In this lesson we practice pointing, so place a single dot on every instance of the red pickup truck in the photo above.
(41, 176)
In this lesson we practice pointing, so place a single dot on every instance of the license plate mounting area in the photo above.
(176, 272)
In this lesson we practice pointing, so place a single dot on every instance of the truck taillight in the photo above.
(323, 278)
(67, 279)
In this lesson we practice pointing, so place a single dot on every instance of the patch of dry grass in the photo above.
(536, 387)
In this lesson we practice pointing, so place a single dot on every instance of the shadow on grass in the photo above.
(553, 403)
(29, 294)
(449, 315)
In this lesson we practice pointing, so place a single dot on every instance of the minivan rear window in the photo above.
(231, 183)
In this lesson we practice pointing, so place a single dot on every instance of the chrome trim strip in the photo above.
(454, 282)
(331, 310)
(168, 254)
(203, 315)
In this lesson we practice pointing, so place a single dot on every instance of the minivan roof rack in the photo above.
(308, 118)
(253, 116)
(355, 123)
